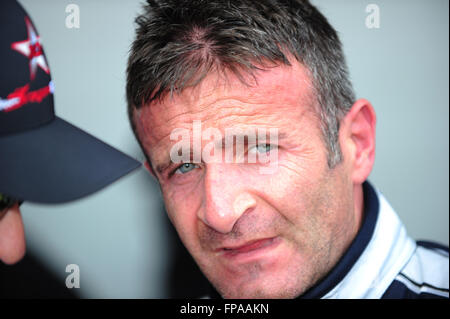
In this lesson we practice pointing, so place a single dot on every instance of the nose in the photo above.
(225, 199)
(12, 235)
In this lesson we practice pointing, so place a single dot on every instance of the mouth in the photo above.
(249, 248)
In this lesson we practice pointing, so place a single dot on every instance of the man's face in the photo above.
(254, 235)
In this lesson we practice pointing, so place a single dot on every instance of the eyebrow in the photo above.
(244, 137)
(167, 162)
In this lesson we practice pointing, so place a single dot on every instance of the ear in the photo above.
(149, 168)
(357, 137)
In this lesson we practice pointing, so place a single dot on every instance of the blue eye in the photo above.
(185, 168)
(262, 148)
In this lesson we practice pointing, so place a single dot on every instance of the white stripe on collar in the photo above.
(388, 251)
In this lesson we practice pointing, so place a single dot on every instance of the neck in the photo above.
(358, 202)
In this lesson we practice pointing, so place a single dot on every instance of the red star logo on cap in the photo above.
(32, 49)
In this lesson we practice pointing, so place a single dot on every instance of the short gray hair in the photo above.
(178, 42)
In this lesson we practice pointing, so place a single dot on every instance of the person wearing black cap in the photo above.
(43, 158)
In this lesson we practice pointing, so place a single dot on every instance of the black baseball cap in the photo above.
(43, 158)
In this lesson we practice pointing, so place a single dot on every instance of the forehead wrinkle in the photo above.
(226, 102)
(194, 100)
(229, 109)
(214, 115)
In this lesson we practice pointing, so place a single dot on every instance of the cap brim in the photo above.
(58, 162)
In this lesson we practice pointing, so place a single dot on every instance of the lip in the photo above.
(249, 248)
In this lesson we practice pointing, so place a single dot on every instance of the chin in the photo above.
(268, 288)
(262, 294)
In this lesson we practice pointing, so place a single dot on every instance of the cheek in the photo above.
(182, 210)
(297, 181)
(302, 192)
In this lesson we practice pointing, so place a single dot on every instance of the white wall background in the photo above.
(117, 236)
